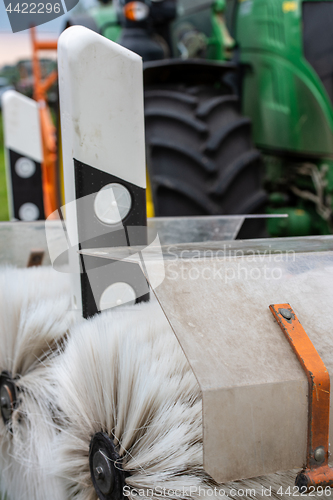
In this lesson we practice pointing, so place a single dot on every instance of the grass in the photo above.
(3, 188)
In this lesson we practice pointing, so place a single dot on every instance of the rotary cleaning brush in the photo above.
(133, 410)
(34, 318)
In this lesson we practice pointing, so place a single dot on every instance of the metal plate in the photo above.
(194, 229)
(254, 390)
(18, 238)
(216, 298)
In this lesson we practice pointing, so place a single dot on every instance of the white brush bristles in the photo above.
(123, 373)
(34, 316)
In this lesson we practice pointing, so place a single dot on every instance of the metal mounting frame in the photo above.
(317, 472)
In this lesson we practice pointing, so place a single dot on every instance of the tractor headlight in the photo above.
(136, 11)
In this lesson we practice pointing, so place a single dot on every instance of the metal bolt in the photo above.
(286, 313)
(99, 473)
(103, 472)
(4, 403)
(319, 454)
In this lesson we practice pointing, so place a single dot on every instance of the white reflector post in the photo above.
(102, 122)
(23, 155)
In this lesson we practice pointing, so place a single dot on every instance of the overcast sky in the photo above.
(16, 46)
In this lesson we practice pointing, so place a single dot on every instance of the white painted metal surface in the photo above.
(22, 135)
(101, 99)
(21, 125)
(102, 116)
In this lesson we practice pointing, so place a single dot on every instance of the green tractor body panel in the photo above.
(282, 93)
(106, 19)
(284, 52)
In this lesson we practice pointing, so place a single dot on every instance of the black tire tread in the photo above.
(193, 123)
(227, 176)
(214, 143)
(169, 94)
(190, 192)
(202, 161)
(206, 108)
(254, 203)
(211, 169)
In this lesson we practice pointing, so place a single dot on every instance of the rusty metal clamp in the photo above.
(317, 472)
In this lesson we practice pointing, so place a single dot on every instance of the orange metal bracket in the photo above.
(317, 472)
(40, 86)
(48, 130)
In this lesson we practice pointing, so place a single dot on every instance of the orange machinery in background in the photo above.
(48, 129)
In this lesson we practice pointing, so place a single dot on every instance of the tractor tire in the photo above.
(200, 155)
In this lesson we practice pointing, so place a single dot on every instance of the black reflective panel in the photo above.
(318, 40)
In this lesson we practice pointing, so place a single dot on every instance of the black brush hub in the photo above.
(7, 396)
(106, 470)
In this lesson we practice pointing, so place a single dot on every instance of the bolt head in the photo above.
(286, 314)
(99, 473)
(6, 402)
(319, 454)
(102, 472)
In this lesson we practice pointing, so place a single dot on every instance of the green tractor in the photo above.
(238, 104)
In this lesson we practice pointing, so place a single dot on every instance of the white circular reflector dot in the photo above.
(112, 203)
(117, 295)
(29, 212)
(25, 168)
